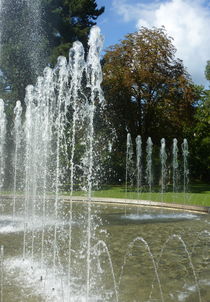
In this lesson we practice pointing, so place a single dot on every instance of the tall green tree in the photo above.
(207, 71)
(35, 33)
(67, 21)
(201, 134)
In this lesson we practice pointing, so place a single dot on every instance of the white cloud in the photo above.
(188, 22)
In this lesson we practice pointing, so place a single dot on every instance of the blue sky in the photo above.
(112, 24)
(187, 21)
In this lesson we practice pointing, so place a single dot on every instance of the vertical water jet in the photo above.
(2, 143)
(62, 81)
(175, 165)
(129, 162)
(17, 134)
(138, 163)
(149, 176)
(76, 66)
(185, 153)
(48, 94)
(2, 274)
(94, 80)
(163, 159)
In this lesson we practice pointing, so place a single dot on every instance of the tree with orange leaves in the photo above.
(148, 91)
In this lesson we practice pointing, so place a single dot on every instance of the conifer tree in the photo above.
(67, 21)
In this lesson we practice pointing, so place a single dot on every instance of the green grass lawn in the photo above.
(199, 195)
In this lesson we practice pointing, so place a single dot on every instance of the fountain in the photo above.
(138, 162)
(149, 177)
(165, 169)
(56, 249)
(185, 153)
(163, 159)
(129, 163)
(175, 165)
(42, 138)
(17, 150)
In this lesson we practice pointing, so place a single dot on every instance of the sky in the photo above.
(186, 21)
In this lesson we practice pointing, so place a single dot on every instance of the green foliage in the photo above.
(207, 71)
(201, 139)
(148, 90)
(201, 134)
(35, 34)
(68, 21)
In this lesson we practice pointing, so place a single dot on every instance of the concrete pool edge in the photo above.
(144, 203)
(125, 201)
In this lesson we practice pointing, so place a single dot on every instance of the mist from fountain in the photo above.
(35, 36)
(1, 12)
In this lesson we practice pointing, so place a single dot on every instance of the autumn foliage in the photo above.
(147, 89)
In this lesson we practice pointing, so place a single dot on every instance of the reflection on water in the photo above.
(137, 254)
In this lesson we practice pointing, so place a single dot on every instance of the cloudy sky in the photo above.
(187, 21)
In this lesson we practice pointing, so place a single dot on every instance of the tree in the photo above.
(207, 71)
(68, 21)
(201, 134)
(35, 33)
(147, 89)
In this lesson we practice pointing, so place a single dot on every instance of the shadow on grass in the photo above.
(193, 188)
(199, 188)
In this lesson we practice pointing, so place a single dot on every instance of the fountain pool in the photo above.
(56, 251)
(140, 254)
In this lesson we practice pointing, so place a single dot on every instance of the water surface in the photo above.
(137, 254)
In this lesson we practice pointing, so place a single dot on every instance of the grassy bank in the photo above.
(199, 195)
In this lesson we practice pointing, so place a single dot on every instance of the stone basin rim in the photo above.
(141, 203)
(124, 201)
